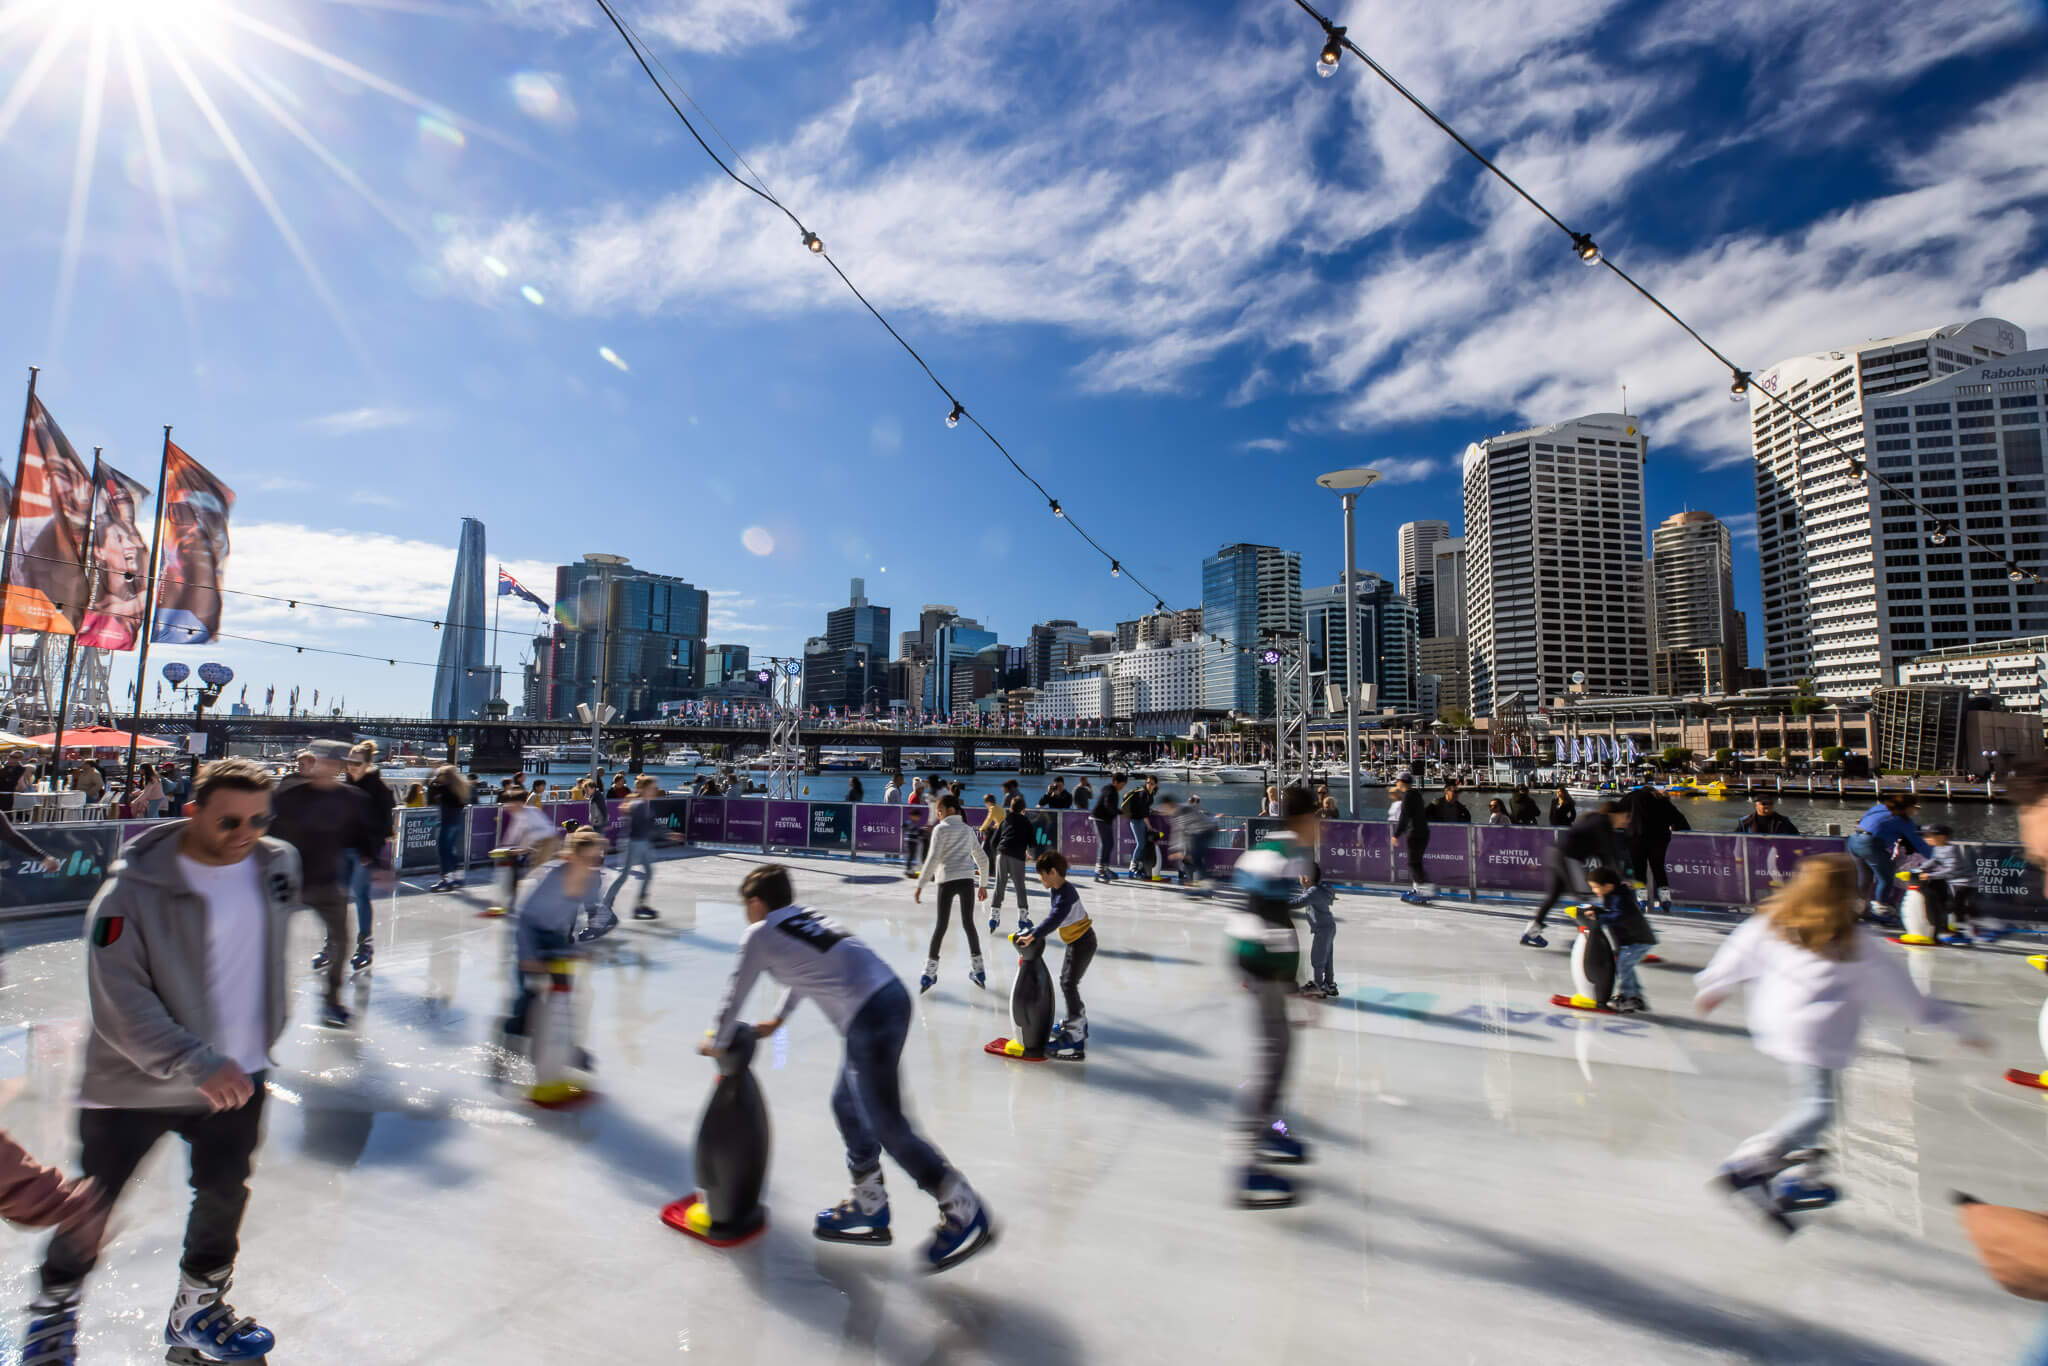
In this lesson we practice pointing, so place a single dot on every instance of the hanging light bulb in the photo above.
(1857, 470)
(1057, 510)
(292, 603)
(1116, 569)
(1332, 53)
(1587, 251)
(1939, 536)
(814, 242)
(437, 626)
(2014, 574)
(953, 418)
(1738, 387)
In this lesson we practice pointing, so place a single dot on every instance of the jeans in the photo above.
(1192, 862)
(534, 946)
(1141, 846)
(639, 854)
(1865, 848)
(448, 849)
(1816, 1096)
(1010, 868)
(114, 1142)
(1271, 1043)
(1322, 945)
(867, 1101)
(355, 871)
(1417, 844)
(330, 903)
(962, 891)
(914, 843)
(1626, 959)
(1105, 843)
(1080, 954)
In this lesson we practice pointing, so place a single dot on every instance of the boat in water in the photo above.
(1240, 773)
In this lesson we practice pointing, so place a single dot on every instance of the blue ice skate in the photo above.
(1955, 941)
(847, 1222)
(1795, 1194)
(964, 1228)
(52, 1335)
(1533, 938)
(1261, 1189)
(1277, 1145)
(212, 1332)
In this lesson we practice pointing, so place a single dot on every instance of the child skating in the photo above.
(1618, 915)
(1317, 897)
(1811, 972)
(954, 853)
(1074, 928)
(1267, 952)
(815, 957)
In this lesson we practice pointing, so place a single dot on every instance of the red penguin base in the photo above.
(678, 1216)
(1568, 1003)
(2019, 1076)
(1011, 1049)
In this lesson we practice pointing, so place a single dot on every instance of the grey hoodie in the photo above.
(145, 962)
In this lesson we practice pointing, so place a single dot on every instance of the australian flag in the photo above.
(511, 587)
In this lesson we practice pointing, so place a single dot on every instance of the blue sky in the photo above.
(1177, 274)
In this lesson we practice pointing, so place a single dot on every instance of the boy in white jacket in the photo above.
(955, 854)
(1811, 973)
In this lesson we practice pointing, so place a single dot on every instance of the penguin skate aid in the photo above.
(1810, 973)
(1614, 938)
(1267, 954)
(818, 959)
(1031, 1004)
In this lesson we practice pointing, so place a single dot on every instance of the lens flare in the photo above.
(532, 295)
(540, 97)
(436, 127)
(757, 540)
(497, 267)
(611, 358)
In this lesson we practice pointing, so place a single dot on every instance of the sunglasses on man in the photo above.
(230, 824)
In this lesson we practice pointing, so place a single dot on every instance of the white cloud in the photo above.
(692, 25)
(1742, 528)
(1225, 210)
(1270, 445)
(1407, 469)
(356, 420)
(371, 499)
(360, 569)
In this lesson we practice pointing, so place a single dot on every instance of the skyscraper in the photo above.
(1554, 562)
(1692, 577)
(462, 683)
(1054, 645)
(859, 623)
(849, 666)
(1816, 536)
(655, 624)
(1248, 592)
(1386, 643)
(1415, 569)
(956, 643)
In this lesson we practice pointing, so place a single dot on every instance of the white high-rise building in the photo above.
(1815, 524)
(1415, 568)
(1157, 680)
(1554, 568)
(1693, 605)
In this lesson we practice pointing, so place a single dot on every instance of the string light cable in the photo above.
(1338, 41)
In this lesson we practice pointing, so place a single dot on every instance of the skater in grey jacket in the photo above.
(185, 973)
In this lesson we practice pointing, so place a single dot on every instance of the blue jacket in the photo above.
(1621, 915)
(1890, 829)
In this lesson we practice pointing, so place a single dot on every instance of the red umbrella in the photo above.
(98, 737)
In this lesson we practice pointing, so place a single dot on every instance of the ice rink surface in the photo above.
(1495, 1182)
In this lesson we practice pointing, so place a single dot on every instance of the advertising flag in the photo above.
(46, 582)
(194, 506)
(120, 552)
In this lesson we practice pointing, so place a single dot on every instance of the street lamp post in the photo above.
(1346, 484)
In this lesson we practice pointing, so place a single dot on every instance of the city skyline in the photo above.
(1354, 297)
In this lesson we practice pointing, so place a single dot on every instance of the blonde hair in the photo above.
(450, 777)
(365, 752)
(583, 839)
(1818, 908)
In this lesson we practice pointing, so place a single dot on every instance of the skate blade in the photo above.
(1272, 1159)
(192, 1356)
(986, 1241)
(1268, 1202)
(879, 1237)
(1011, 1049)
(2020, 1077)
(1757, 1200)
(679, 1216)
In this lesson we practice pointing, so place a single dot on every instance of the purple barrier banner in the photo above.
(744, 817)
(1707, 869)
(483, 832)
(1511, 859)
(1077, 839)
(789, 825)
(1773, 857)
(707, 820)
(1220, 863)
(877, 829)
(1357, 851)
(130, 829)
(1448, 860)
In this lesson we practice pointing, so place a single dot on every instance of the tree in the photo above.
(1723, 757)
(1807, 703)
(1676, 756)
(1832, 754)
(1454, 718)
(1776, 756)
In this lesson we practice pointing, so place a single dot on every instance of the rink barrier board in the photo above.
(1707, 869)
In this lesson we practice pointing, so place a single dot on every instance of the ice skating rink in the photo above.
(1495, 1182)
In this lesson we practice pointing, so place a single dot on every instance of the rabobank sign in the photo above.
(1992, 372)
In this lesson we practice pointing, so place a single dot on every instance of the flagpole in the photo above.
(92, 584)
(156, 539)
(28, 409)
(497, 606)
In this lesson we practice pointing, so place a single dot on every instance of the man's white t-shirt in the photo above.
(237, 961)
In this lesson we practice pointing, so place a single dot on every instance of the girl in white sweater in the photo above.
(1811, 973)
(956, 856)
